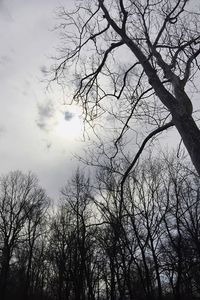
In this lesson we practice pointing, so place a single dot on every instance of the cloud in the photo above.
(1, 3)
(48, 145)
(4, 12)
(4, 59)
(43, 70)
(49, 115)
(68, 116)
(2, 131)
(46, 113)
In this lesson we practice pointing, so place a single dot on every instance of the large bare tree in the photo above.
(134, 60)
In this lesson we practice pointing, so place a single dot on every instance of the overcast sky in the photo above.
(37, 132)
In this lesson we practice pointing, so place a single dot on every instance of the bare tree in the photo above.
(73, 243)
(128, 54)
(35, 227)
(20, 198)
(98, 247)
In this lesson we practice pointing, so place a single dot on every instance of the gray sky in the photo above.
(37, 132)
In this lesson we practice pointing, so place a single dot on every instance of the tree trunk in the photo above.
(112, 280)
(27, 279)
(179, 105)
(4, 273)
(190, 135)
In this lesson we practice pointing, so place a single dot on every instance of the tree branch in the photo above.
(153, 133)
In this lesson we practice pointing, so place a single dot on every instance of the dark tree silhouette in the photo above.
(126, 53)
(96, 247)
(21, 202)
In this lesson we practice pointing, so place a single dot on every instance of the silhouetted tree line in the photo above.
(96, 245)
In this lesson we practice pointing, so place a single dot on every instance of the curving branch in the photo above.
(127, 172)
(188, 66)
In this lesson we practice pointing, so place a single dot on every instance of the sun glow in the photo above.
(68, 124)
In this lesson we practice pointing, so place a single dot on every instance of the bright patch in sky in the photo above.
(68, 124)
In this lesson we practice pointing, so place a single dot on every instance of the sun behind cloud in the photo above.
(68, 124)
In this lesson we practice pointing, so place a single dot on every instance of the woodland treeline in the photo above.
(96, 245)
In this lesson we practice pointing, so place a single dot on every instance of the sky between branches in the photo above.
(37, 132)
